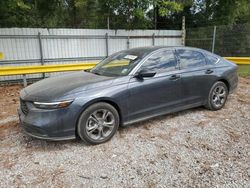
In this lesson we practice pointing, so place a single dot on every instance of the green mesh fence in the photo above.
(233, 40)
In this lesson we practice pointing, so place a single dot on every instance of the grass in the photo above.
(244, 70)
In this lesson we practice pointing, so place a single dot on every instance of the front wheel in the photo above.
(98, 123)
(217, 96)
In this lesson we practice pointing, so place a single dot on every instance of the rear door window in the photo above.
(191, 58)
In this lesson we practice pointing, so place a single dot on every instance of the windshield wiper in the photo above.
(87, 70)
(94, 72)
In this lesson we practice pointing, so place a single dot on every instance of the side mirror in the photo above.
(144, 74)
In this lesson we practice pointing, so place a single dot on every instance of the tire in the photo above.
(98, 123)
(217, 96)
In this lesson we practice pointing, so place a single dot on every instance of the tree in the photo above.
(124, 14)
(220, 12)
(31, 13)
(169, 15)
(14, 13)
(81, 13)
(135, 14)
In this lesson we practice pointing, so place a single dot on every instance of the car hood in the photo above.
(51, 89)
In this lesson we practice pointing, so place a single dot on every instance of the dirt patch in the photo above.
(191, 148)
(9, 101)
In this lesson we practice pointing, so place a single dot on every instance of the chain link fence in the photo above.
(224, 40)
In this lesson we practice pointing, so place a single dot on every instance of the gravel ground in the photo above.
(193, 148)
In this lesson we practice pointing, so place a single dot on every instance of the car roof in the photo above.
(148, 49)
(143, 51)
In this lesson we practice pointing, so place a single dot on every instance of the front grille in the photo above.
(24, 107)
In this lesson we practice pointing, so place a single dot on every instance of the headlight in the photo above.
(52, 105)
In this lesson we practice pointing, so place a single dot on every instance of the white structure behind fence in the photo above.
(32, 46)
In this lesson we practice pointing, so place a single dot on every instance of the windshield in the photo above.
(118, 64)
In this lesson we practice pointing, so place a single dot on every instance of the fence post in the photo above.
(183, 35)
(107, 44)
(153, 39)
(41, 50)
(24, 80)
(128, 42)
(214, 35)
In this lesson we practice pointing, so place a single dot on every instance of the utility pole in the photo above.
(183, 36)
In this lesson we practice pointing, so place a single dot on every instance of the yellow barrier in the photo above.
(239, 60)
(15, 70)
(6, 71)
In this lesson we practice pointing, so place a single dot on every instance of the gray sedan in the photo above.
(127, 87)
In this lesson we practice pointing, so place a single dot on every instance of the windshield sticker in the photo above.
(131, 57)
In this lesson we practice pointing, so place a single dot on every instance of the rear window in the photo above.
(211, 60)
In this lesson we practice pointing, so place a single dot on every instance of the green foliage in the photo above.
(168, 7)
(82, 13)
(219, 12)
(31, 13)
(14, 13)
(127, 14)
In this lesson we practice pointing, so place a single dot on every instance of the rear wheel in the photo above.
(217, 96)
(98, 123)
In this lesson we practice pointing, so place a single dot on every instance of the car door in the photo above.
(157, 94)
(195, 76)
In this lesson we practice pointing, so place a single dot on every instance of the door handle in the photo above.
(175, 77)
(209, 71)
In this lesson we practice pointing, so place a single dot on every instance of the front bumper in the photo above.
(55, 125)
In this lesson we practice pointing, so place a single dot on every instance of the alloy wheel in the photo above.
(219, 96)
(100, 124)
